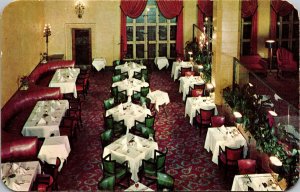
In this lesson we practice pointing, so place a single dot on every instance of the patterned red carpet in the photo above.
(187, 160)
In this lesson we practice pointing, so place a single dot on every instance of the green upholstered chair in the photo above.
(109, 103)
(151, 167)
(124, 75)
(143, 74)
(107, 183)
(135, 97)
(117, 72)
(119, 128)
(106, 137)
(116, 78)
(164, 182)
(108, 121)
(137, 128)
(119, 171)
(116, 62)
(122, 96)
(147, 132)
(144, 91)
(145, 101)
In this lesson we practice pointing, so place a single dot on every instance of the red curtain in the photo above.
(171, 9)
(133, 9)
(249, 8)
(205, 8)
(281, 8)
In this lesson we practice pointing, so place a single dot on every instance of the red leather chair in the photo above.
(43, 182)
(285, 61)
(229, 158)
(183, 70)
(247, 166)
(189, 73)
(255, 63)
(217, 120)
(196, 92)
(203, 118)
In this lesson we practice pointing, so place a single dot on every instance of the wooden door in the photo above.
(81, 46)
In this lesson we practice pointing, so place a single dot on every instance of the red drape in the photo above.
(205, 8)
(281, 8)
(133, 9)
(171, 9)
(249, 8)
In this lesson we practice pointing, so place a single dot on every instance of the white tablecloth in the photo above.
(130, 68)
(159, 98)
(99, 63)
(25, 174)
(138, 187)
(130, 85)
(177, 66)
(55, 147)
(161, 62)
(65, 78)
(241, 182)
(216, 137)
(195, 103)
(133, 152)
(187, 82)
(129, 112)
(45, 118)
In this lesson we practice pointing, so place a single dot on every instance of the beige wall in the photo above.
(102, 16)
(22, 42)
(190, 14)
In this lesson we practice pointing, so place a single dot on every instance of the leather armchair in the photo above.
(285, 61)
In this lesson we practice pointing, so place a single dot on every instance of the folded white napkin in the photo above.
(61, 79)
(57, 103)
(52, 109)
(34, 117)
(38, 109)
(53, 118)
(21, 171)
(124, 141)
(15, 166)
(73, 69)
(138, 143)
(41, 121)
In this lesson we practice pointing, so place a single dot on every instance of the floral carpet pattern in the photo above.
(187, 160)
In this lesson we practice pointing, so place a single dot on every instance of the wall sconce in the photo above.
(79, 9)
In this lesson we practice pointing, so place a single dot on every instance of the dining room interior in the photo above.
(150, 95)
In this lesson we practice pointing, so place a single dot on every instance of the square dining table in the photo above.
(256, 182)
(129, 112)
(130, 67)
(177, 66)
(45, 118)
(133, 149)
(187, 82)
(194, 104)
(161, 62)
(65, 79)
(130, 85)
(223, 136)
(99, 63)
(20, 176)
(53, 147)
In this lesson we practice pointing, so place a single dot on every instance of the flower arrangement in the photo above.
(24, 82)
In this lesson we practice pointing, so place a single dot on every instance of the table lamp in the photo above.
(276, 166)
(209, 88)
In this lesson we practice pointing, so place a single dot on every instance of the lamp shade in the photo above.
(238, 117)
(270, 44)
(275, 164)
